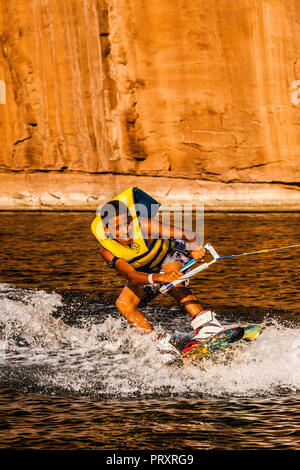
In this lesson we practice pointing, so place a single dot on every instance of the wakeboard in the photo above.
(221, 340)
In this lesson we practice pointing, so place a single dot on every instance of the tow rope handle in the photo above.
(216, 257)
(169, 285)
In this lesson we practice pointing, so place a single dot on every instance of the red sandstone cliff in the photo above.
(181, 89)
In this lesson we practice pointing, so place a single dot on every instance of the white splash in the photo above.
(112, 358)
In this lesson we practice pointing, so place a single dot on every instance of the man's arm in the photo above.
(156, 229)
(135, 277)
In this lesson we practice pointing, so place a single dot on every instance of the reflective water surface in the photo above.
(73, 374)
(40, 421)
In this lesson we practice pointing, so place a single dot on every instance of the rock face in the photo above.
(54, 118)
(203, 90)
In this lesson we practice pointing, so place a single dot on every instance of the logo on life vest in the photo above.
(135, 247)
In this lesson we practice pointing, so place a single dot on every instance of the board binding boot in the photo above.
(216, 342)
(164, 343)
(205, 325)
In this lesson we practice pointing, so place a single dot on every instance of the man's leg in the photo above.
(182, 294)
(204, 322)
(127, 303)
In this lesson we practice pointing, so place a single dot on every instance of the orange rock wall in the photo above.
(54, 116)
(198, 89)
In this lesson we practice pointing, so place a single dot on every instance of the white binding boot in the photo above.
(205, 325)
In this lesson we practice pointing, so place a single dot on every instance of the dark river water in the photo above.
(74, 375)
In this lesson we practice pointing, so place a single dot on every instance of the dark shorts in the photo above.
(178, 254)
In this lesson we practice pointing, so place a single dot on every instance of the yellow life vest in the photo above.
(138, 254)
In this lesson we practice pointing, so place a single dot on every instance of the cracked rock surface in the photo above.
(173, 92)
